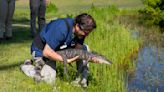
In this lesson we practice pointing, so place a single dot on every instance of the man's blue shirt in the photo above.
(55, 34)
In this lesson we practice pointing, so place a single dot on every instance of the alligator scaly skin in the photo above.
(83, 55)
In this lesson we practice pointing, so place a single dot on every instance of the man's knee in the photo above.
(49, 74)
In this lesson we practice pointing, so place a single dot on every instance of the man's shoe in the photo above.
(2, 40)
(84, 83)
(28, 62)
(76, 82)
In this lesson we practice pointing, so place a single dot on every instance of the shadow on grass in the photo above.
(21, 34)
(21, 20)
(10, 66)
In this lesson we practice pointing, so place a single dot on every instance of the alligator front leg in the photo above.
(65, 66)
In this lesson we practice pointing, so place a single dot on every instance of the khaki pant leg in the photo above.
(11, 8)
(3, 14)
(34, 7)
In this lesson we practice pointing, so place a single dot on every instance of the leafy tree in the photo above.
(153, 12)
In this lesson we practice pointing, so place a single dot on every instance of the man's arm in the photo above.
(51, 54)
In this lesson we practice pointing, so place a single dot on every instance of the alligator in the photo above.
(70, 53)
(82, 55)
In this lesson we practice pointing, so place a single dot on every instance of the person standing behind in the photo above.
(7, 8)
(38, 9)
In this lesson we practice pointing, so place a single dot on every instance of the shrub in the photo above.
(51, 8)
(153, 12)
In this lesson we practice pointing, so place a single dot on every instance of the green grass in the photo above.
(112, 39)
(74, 6)
(80, 5)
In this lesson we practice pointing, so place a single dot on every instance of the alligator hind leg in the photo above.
(38, 67)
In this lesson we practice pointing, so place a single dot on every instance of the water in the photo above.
(149, 73)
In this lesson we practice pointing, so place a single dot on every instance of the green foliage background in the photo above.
(153, 12)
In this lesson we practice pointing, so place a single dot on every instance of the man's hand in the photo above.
(95, 60)
(72, 59)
